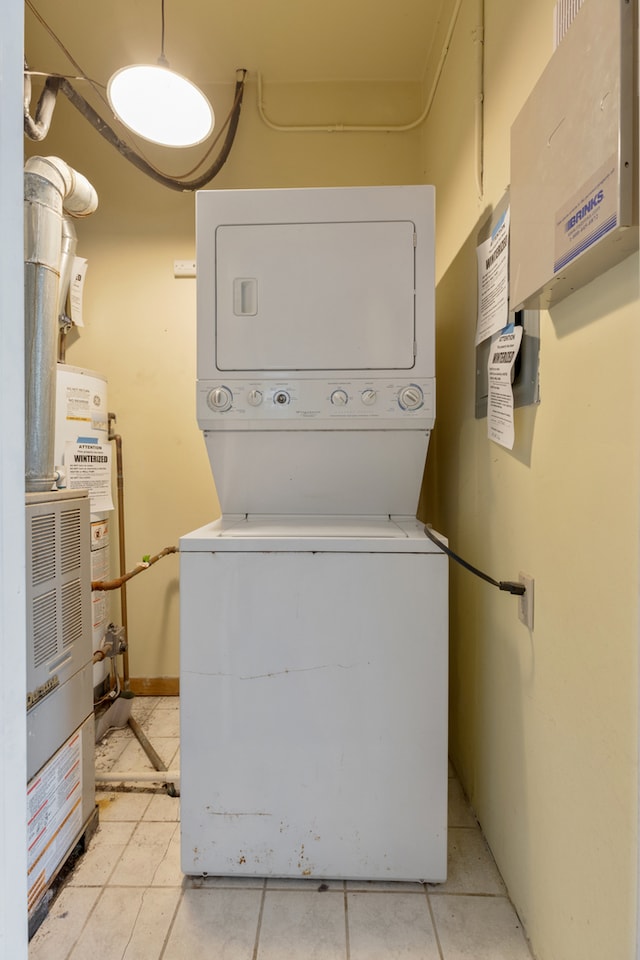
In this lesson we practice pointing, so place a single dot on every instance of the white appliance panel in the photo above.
(315, 714)
(318, 472)
(315, 296)
(295, 403)
(304, 533)
(384, 250)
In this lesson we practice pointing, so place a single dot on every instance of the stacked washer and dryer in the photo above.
(314, 612)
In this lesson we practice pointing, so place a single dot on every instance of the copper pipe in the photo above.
(119, 582)
(117, 439)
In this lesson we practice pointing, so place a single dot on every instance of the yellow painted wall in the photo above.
(141, 322)
(543, 724)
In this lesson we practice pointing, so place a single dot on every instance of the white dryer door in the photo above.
(315, 296)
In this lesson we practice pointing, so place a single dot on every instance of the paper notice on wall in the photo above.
(493, 281)
(76, 290)
(502, 356)
(87, 466)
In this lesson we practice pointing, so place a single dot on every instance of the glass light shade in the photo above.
(160, 105)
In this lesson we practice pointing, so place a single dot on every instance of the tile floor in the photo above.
(127, 899)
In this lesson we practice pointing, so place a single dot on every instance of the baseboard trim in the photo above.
(155, 686)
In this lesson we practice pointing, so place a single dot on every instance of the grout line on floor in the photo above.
(162, 859)
(254, 955)
(346, 920)
(84, 925)
(172, 923)
(433, 922)
(462, 893)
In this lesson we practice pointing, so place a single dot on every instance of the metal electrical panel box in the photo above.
(574, 205)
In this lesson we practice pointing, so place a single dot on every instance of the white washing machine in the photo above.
(314, 613)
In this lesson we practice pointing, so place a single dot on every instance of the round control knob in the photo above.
(369, 397)
(281, 397)
(220, 399)
(411, 397)
(339, 398)
(254, 398)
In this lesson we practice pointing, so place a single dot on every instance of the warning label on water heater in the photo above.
(54, 804)
(87, 466)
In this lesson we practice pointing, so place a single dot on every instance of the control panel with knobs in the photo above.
(339, 398)
(411, 397)
(348, 404)
(220, 399)
(255, 397)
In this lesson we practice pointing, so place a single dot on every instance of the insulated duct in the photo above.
(52, 190)
(69, 242)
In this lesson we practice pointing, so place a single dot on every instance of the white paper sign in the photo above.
(493, 281)
(502, 356)
(76, 290)
(87, 466)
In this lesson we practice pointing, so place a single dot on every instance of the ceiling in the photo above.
(294, 41)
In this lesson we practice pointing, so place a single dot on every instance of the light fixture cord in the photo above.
(175, 184)
(93, 83)
(162, 60)
(137, 158)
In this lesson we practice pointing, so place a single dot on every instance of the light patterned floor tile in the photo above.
(471, 868)
(133, 757)
(146, 901)
(110, 926)
(163, 807)
(143, 707)
(213, 923)
(147, 849)
(105, 849)
(168, 872)
(110, 748)
(63, 926)
(305, 925)
(154, 919)
(113, 805)
(167, 749)
(479, 928)
(163, 723)
(385, 925)
(229, 883)
(381, 886)
(302, 883)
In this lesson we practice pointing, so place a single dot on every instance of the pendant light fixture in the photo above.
(160, 105)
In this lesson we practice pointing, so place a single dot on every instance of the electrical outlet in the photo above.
(525, 602)
(184, 268)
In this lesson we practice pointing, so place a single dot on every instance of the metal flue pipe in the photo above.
(52, 189)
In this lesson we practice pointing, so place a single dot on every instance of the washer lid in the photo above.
(330, 534)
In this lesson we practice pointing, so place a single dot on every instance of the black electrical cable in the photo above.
(509, 586)
(37, 129)
(125, 150)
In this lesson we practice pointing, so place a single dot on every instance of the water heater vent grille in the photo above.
(43, 548)
(71, 613)
(45, 628)
(70, 543)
